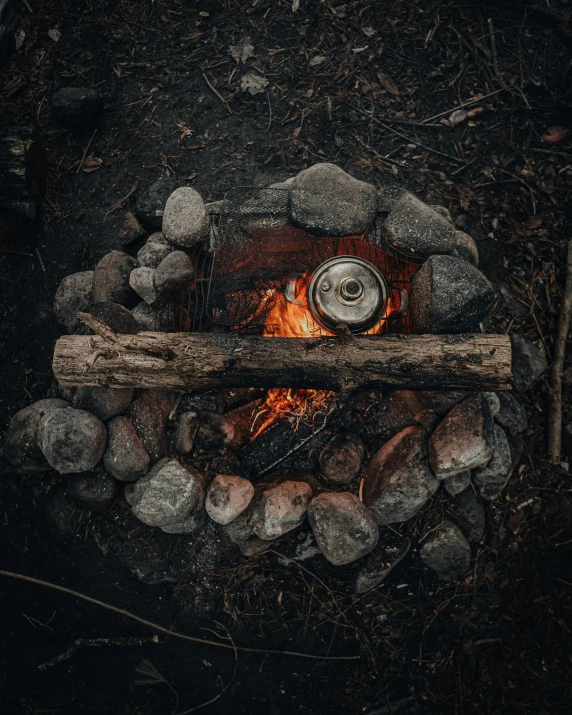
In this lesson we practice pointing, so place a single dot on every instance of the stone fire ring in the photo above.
(146, 440)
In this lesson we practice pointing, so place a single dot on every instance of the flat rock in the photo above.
(74, 295)
(142, 280)
(187, 426)
(460, 442)
(470, 512)
(117, 317)
(169, 496)
(227, 497)
(22, 444)
(491, 479)
(76, 106)
(94, 490)
(72, 440)
(341, 459)
(149, 412)
(111, 280)
(447, 552)
(103, 402)
(528, 362)
(175, 273)
(413, 228)
(155, 249)
(326, 201)
(398, 479)
(449, 295)
(185, 221)
(511, 415)
(280, 509)
(125, 457)
(344, 529)
(458, 482)
(131, 230)
(150, 205)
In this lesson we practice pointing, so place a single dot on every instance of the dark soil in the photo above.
(499, 642)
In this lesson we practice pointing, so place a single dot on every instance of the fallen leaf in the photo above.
(253, 83)
(388, 84)
(475, 112)
(457, 117)
(368, 31)
(554, 134)
(240, 53)
(20, 37)
(466, 195)
(91, 163)
(317, 60)
(295, 5)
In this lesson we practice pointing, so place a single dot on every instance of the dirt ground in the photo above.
(499, 642)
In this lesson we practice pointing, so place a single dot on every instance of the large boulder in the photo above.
(74, 295)
(344, 529)
(111, 280)
(227, 497)
(185, 221)
(150, 205)
(125, 457)
(449, 295)
(76, 106)
(398, 479)
(461, 440)
(170, 496)
(341, 458)
(447, 552)
(72, 440)
(326, 201)
(22, 445)
(490, 480)
(528, 362)
(280, 509)
(103, 402)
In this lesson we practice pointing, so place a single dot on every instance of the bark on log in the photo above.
(22, 171)
(189, 361)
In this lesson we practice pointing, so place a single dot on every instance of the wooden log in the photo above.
(22, 171)
(191, 361)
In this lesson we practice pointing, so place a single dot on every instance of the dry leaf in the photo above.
(368, 31)
(457, 117)
(295, 5)
(466, 195)
(554, 134)
(387, 84)
(475, 112)
(20, 37)
(91, 163)
(240, 53)
(317, 60)
(253, 83)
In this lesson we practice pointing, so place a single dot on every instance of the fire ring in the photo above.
(350, 290)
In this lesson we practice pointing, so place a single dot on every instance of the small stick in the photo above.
(43, 267)
(85, 151)
(222, 99)
(96, 643)
(494, 50)
(555, 392)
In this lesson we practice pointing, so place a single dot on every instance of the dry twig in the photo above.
(81, 643)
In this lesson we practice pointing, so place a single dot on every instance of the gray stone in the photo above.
(458, 482)
(125, 457)
(470, 512)
(174, 273)
(150, 205)
(187, 426)
(528, 362)
(149, 412)
(413, 228)
(460, 442)
(74, 294)
(72, 440)
(169, 496)
(93, 490)
(103, 402)
(22, 447)
(511, 415)
(492, 479)
(118, 318)
(111, 279)
(241, 535)
(227, 497)
(147, 318)
(341, 459)
(373, 570)
(76, 106)
(142, 280)
(280, 509)
(447, 552)
(449, 295)
(344, 529)
(398, 479)
(326, 201)
(155, 249)
(185, 221)
(494, 402)
(131, 230)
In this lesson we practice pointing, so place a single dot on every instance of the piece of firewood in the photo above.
(192, 361)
